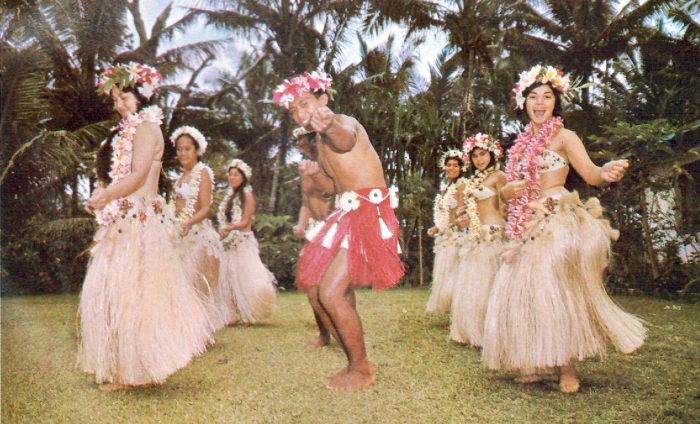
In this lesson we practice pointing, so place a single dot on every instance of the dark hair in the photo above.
(492, 160)
(522, 113)
(194, 142)
(459, 161)
(103, 160)
(236, 193)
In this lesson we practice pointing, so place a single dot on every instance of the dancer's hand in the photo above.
(223, 231)
(298, 231)
(461, 210)
(308, 167)
(463, 220)
(99, 199)
(185, 229)
(513, 189)
(614, 170)
(432, 231)
(321, 120)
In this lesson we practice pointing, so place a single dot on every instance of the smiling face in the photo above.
(303, 107)
(125, 103)
(481, 158)
(235, 178)
(452, 169)
(540, 104)
(186, 149)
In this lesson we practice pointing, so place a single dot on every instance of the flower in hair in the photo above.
(195, 134)
(242, 166)
(482, 141)
(540, 74)
(314, 82)
(449, 154)
(145, 78)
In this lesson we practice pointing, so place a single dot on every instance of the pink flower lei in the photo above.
(523, 164)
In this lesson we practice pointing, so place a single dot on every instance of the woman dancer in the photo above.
(481, 251)
(245, 281)
(198, 243)
(548, 307)
(140, 318)
(448, 237)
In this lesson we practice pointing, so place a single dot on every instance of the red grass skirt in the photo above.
(366, 217)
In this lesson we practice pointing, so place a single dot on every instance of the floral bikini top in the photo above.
(550, 161)
(483, 192)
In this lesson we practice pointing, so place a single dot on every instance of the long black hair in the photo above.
(236, 193)
(103, 161)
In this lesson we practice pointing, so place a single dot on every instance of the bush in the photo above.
(279, 248)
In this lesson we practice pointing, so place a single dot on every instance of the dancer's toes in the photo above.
(351, 380)
(319, 341)
(569, 383)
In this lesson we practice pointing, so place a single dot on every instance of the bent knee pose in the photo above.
(548, 307)
(316, 204)
(358, 244)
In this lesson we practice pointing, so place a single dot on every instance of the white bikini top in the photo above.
(483, 192)
(185, 191)
(550, 161)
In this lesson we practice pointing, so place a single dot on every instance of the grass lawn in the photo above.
(266, 373)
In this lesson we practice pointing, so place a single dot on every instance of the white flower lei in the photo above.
(122, 153)
(233, 237)
(189, 209)
(472, 184)
(444, 201)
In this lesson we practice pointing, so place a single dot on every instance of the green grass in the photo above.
(266, 373)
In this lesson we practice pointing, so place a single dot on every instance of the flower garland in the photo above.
(232, 238)
(444, 201)
(122, 153)
(191, 201)
(522, 164)
(145, 78)
(450, 154)
(472, 184)
(314, 82)
(543, 74)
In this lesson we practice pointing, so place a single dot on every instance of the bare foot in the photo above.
(319, 341)
(110, 387)
(350, 380)
(568, 382)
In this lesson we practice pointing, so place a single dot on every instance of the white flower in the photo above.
(349, 201)
(375, 196)
(195, 134)
(286, 100)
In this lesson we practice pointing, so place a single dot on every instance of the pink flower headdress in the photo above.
(195, 134)
(540, 74)
(145, 78)
(482, 141)
(314, 82)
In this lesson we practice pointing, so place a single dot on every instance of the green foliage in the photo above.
(279, 248)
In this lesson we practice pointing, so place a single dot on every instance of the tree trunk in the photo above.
(646, 234)
(421, 279)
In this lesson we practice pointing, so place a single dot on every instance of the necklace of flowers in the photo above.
(523, 164)
(441, 207)
(231, 239)
(122, 153)
(190, 203)
(472, 184)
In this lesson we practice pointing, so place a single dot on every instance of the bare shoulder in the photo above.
(150, 130)
(497, 178)
(565, 136)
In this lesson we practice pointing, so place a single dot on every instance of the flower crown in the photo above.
(195, 134)
(314, 82)
(145, 78)
(482, 141)
(540, 74)
(239, 164)
(450, 153)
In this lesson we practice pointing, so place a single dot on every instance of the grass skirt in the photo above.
(479, 263)
(246, 284)
(200, 251)
(548, 305)
(445, 275)
(140, 318)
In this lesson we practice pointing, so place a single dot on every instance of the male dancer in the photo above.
(358, 243)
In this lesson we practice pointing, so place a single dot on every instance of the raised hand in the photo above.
(99, 199)
(614, 170)
(321, 120)
(513, 189)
